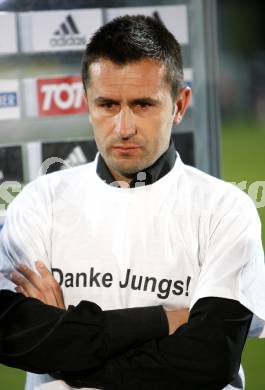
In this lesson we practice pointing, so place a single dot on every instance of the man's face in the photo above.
(131, 112)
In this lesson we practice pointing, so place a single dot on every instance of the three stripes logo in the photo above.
(68, 27)
(75, 158)
(68, 34)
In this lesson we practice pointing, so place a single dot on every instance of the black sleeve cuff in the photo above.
(129, 328)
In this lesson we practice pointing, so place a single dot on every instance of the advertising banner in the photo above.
(8, 33)
(60, 96)
(11, 167)
(63, 155)
(9, 99)
(45, 31)
(174, 17)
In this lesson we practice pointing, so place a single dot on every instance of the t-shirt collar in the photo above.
(149, 175)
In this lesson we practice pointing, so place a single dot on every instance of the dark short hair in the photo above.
(132, 38)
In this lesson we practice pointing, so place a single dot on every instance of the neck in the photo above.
(124, 181)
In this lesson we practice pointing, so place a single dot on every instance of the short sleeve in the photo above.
(24, 237)
(233, 264)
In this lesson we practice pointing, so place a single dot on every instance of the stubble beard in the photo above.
(126, 167)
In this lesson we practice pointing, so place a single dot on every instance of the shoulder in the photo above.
(215, 195)
(71, 175)
(46, 188)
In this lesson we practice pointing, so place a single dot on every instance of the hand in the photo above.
(176, 318)
(43, 287)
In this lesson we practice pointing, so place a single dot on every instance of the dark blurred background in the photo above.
(241, 32)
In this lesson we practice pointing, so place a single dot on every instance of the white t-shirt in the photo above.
(182, 238)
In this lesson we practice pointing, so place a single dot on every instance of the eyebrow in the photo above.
(143, 100)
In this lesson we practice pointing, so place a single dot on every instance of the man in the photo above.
(136, 227)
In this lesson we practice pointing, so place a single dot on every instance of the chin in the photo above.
(128, 170)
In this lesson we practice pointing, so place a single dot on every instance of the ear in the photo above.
(182, 103)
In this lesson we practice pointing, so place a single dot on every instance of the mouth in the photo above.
(126, 149)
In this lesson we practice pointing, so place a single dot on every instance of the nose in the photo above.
(125, 126)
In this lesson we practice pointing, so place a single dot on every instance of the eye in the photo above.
(143, 105)
(107, 105)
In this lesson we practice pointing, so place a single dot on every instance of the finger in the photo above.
(33, 285)
(21, 290)
(36, 287)
(43, 270)
(31, 276)
(28, 288)
(48, 277)
(45, 291)
(60, 300)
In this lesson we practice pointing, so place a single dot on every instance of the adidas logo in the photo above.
(76, 157)
(67, 34)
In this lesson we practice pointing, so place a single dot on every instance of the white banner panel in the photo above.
(9, 99)
(174, 17)
(30, 97)
(188, 76)
(45, 31)
(8, 33)
(34, 160)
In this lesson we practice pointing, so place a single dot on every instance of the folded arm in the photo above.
(204, 354)
(90, 348)
(42, 338)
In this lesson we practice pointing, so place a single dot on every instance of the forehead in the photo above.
(143, 77)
